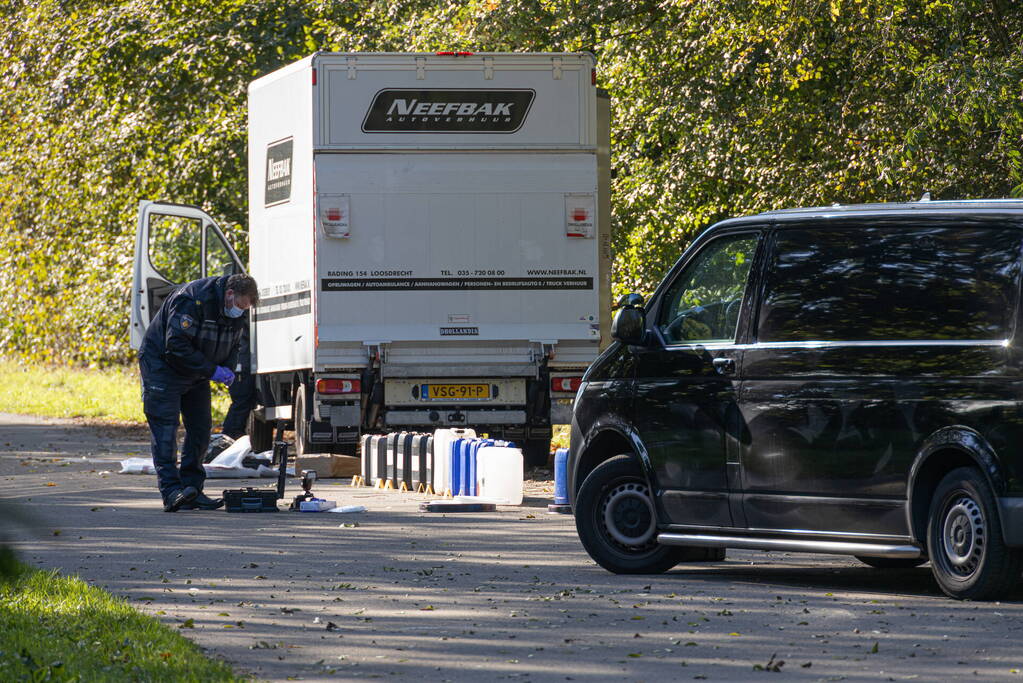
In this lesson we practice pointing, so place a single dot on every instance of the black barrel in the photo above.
(421, 468)
(391, 468)
(366, 451)
(403, 460)
(380, 462)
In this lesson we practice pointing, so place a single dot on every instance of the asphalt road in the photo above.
(395, 593)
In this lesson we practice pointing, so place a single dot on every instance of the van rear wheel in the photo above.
(969, 558)
(616, 522)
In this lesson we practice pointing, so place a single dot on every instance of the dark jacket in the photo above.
(190, 335)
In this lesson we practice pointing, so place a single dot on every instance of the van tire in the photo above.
(616, 522)
(261, 433)
(892, 562)
(969, 558)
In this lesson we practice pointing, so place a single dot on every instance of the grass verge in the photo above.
(59, 628)
(110, 395)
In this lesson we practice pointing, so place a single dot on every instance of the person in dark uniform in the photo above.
(194, 338)
(243, 390)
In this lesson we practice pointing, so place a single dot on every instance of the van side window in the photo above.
(702, 304)
(891, 283)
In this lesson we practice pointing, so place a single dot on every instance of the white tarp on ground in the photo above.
(227, 465)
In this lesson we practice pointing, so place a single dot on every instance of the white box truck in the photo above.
(431, 237)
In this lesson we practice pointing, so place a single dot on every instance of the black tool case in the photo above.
(250, 500)
(261, 500)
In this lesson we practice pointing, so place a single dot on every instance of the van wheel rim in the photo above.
(963, 536)
(628, 516)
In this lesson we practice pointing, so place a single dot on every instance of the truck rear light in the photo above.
(465, 54)
(338, 386)
(445, 54)
(314, 76)
(593, 77)
(566, 384)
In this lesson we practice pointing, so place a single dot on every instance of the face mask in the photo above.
(232, 311)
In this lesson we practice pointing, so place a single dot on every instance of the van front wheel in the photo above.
(969, 557)
(616, 522)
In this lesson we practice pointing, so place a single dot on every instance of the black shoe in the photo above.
(180, 498)
(203, 502)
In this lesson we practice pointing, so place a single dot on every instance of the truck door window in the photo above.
(174, 247)
(703, 303)
(218, 259)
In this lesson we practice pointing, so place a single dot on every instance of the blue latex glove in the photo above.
(223, 375)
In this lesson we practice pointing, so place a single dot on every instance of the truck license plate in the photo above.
(456, 392)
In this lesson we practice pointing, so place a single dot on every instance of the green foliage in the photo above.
(721, 108)
(107, 394)
(10, 568)
(59, 628)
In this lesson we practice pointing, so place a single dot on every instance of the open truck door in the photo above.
(174, 244)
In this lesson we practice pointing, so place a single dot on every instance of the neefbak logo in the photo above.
(278, 172)
(448, 111)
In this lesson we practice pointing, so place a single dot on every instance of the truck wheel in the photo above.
(261, 433)
(303, 414)
(536, 452)
(892, 562)
(969, 558)
(615, 519)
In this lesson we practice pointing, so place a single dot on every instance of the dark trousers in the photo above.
(162, 402)
(243, 400)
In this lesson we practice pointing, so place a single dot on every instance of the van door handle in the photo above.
(724, 366)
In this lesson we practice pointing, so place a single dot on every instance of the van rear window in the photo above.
(888, 283)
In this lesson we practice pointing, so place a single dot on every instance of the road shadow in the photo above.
(916, 582)
(64, 439)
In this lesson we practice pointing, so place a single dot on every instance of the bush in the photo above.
(721, 108)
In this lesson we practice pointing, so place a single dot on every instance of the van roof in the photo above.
(923, 204)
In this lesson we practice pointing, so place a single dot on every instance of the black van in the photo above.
(845, 380)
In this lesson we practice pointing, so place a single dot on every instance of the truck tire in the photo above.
(616, 522)
(302, 412)
(536, 452)
(969, 558)
(261, 433)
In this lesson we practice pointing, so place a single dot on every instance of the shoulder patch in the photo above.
(186, 321)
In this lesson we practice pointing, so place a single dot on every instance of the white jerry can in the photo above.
(499, 472)
(443, 439)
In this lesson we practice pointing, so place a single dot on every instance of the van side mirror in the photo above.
(629, 324)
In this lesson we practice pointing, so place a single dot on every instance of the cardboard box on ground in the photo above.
(328, 466)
